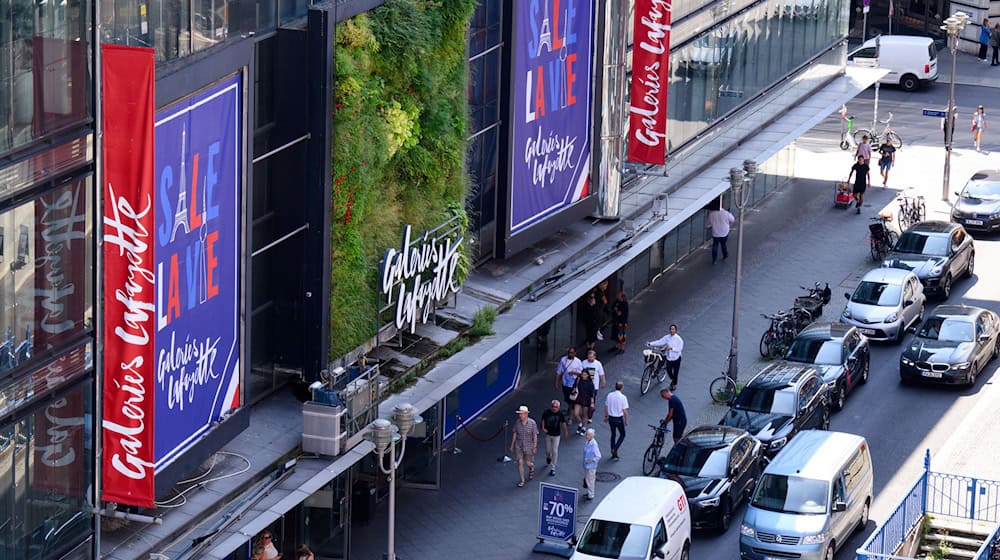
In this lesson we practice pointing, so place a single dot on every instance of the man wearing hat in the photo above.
(524, 444)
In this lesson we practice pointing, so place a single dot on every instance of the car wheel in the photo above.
(840, 397)
(900, 333)
(909, 82)
(864, 372)
(972, 375)
(685, 552)
(996, 348)
(864, 515)
(726, 516)
(824, 423)
(946, 287)
(970, 268)
(829, 553)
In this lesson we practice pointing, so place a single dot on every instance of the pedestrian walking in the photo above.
(887, 158)
(595, 368)
(585, 392)
(591, 457)
(949, 135)
(864, 149)
(995, 43)
(590, 314)
(620, 312)
(556, 426)
(616, 416)
(984, 39)
(566, 373)
(673, 344)
(862, 177)
(719, 220)
(978, 126)
(524, 444)
(675, 413)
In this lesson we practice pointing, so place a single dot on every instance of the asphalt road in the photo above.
(899, 422)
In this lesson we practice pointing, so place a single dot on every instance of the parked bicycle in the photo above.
(723, 389)
(653, 451)
(911, 210)
(656, 366)
(779, 335)
(876, 138)
(845, 132)
(881, 238)
(814, 300)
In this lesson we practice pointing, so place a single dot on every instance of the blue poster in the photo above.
(550, 157)
(556, 512)
(197, 254)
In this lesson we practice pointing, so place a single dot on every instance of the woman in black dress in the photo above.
(584, 401)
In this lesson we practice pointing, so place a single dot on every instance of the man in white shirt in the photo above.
(673, 345)
(596, 370)
(566, 373)
(616, 415)
(720, 220)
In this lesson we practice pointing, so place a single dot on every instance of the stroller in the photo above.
(843, 194)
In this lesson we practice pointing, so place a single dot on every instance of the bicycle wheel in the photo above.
(647, 379)
(876, 251)
(766, 341)
(802, 318)
(903, 217)
(661, 372)
(861, 132)
(722, 389)
(649, 459)
(921, 209)
(896, 140)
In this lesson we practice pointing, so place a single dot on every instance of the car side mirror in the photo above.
(839, 506)
(658, 554)
(958, 194)
(984, 337)
(908, 303)
(847, 295)
(912, 329)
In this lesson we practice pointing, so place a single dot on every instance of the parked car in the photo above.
(778, 402)
(951, 346)
(885, 303)
(717, 466)
(978, 204)
(640, 518)
(810, 499)
(911, 61)
(937, 252)
(839, 352)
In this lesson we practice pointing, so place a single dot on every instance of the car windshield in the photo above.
(877, 293)
(791, 494)
(989, 190)
(611, 539)
(814, 351)
(947, 330)
(769, 400)
(703, 462)
(922, 244)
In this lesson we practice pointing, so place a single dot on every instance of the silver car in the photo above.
(885, 303)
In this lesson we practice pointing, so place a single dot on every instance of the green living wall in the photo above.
(399, 131)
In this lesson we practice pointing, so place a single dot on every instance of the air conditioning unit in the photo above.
(361, 394)
(322, 428)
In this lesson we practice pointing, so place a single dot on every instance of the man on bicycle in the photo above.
(675, 412)
(862, 178)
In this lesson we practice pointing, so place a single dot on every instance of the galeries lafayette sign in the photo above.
(419, 275)
(650, 72)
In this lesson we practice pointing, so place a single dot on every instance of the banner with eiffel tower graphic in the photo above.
(198, 194)
(551, 89)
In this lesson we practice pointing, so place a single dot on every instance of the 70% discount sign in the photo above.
(556, 519)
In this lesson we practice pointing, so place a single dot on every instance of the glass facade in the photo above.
(45, 54)
(724, 67)
(176, 28)
(485, 51)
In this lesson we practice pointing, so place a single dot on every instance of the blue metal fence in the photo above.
(988, 547)
(963, 496)
(884, 541)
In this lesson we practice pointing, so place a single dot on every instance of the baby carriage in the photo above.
(843, 194)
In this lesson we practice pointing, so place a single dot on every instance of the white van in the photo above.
(911, 61)
(640, 519)
(810, 499)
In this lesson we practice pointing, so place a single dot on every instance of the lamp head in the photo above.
(405, 418)
(382, 433)
(750, 168)
(736, 175)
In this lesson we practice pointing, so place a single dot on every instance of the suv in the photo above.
(778, 402)
(937, 252)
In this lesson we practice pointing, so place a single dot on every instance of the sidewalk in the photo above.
(969, 71)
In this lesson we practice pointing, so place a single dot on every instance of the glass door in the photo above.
(324, 520)
(421, 467)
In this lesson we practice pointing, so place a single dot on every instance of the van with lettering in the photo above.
(642, 518)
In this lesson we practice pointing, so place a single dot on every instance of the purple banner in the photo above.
(198, 193)
(552, 108)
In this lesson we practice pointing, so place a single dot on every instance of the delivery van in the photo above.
(810, 499)
(911, 61)
(642, 518)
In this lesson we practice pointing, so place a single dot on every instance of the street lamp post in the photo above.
(741, 182)
(953, 26)
(385, 434)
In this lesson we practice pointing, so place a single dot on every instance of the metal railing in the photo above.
(963, 496)
(991, 547)
(898, 526)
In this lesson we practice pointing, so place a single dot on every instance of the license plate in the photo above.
(867, 331)
(934, 374)
(974, 222)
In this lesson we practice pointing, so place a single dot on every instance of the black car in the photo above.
(937, 252)
(951, 346)
(778, 402)
(717, 467)
(978, 204)
(839, 352)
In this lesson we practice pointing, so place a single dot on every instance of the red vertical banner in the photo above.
(60, 306)
(647, 139)
(129, 310)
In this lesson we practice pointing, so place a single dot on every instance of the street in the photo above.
(794, 238)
